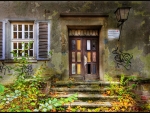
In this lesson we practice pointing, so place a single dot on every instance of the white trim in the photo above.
(37, 29)
(49, 32)
(3, 40)
(3, 48)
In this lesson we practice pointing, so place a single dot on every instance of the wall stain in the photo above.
(146, 68)
(135, 52)
(85, 7)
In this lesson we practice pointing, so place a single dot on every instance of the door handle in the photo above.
(85, 60)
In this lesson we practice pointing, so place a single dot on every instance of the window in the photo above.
(16, 35)
(22, 35)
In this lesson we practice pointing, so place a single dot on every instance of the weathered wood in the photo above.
(43, 46)
(43, 39)
(42, 43)
(42, 50)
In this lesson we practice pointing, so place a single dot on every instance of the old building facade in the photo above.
(77, 34)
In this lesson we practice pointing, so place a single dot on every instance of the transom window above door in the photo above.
(83, 32)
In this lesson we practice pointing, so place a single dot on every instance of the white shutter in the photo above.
(43, 42)
(2, 40)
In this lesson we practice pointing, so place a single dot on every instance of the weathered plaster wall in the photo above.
(135, 35)
(134, 40)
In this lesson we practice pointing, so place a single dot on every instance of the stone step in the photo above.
(66, 89)
(89, 104)
(61, 83)
(90, 93)
(83, 95)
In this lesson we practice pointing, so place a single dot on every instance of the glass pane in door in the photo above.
(73, 45)
(73, 68)
(93, 44)
(88, 45)
(73, 57)
(78, 68)
(88, 56)
(78, 44)
(94, 69)
(78, 56)
(94, 56)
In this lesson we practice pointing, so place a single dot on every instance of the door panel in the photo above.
(75, 56)
(91, 53)
(83, 57)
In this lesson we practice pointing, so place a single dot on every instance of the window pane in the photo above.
(88, 56)
(31, 27)
(26, 34)
(78, 68)
(31, 34)
(19, 27)
(15, 27)
(31, 53)
(15, 51)
(78, 44)
(15, 35)
(73, 44)
(88, 45)
(94, 69)
(73, 68)
(20, 45)
(26, 46)
(93, 44)
(31, 46)
(15, 45)
(78, 56)
(20, 52)
(26, 27)
(94, 56)
(73, 57)
(26, 52)
(19, 34)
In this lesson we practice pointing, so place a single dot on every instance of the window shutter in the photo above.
(43, 40)
(2, 41)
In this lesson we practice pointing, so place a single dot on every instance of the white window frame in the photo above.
(23, 38)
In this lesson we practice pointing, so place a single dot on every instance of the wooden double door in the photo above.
(84, 57)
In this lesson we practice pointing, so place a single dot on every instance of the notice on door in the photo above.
(113, 34)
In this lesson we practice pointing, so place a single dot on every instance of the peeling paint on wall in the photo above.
(139, 13)
(56, 60)
(146, 61)
(85, 7)
(135, 52)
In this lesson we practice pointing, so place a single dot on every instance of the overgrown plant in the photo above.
(126, 98)
(21, 94)
(51, 104)
(25, 95)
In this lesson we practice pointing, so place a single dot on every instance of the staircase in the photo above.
(90, 94)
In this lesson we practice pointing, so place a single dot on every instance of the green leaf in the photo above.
(49, 107)
(27, 110)
(44, 110)
(36, 110)
(33, 104)
(57, 104)
(1, 88)
(49, 101)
